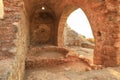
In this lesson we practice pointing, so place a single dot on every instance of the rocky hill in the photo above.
(72, 38)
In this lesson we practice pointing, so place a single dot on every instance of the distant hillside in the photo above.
(72, 38)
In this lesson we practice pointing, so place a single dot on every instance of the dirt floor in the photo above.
(73, 70)
(57, 74)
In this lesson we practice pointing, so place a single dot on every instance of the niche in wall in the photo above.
(42, 27)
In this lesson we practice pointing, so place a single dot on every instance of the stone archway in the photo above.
(67, 11)
(103, 16)
(101, 20)
(61, 29)
(62, 23)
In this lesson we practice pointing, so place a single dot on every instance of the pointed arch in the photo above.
(67, 11)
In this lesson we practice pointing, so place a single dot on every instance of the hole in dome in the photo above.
(43, 8)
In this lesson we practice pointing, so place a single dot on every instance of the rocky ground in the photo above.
(56, 74)
(74, 70)
(83, 52)
(78, 70)
(80, 67)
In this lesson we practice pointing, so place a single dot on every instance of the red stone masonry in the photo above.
(8, 30)
(103, 15)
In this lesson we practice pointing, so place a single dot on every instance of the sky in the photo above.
(78, 22)
(1, 9)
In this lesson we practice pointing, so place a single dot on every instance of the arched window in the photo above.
(78, 33)
(78, 21)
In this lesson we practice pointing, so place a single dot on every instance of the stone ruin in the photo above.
(28, 26)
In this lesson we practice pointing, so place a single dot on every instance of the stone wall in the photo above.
(13, 40)
(104, 17)
(106, 52)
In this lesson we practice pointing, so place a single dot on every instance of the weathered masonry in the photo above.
(26, 23)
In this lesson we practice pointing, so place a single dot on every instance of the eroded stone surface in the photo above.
(104, 17)
(48, 74)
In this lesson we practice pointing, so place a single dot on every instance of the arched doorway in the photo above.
(66, 13)
(77, 32)
(100, 19)
(79, 22)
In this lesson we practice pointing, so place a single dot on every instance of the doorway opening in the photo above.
(78, 34)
